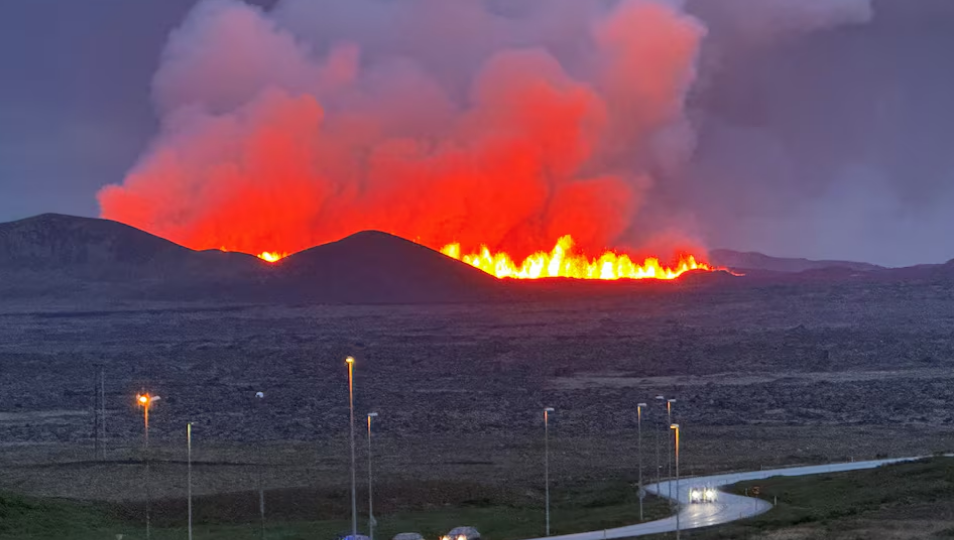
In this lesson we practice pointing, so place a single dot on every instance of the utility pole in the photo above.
(546, 460)
(102, 411)
(639, 451)
(669, 403)
(189, 472)
(99, 414)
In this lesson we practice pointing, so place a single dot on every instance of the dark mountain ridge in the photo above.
(82, 260)
(748, 261)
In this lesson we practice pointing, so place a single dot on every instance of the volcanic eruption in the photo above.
(488, 132)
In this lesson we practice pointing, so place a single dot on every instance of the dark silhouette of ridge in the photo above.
(104, 248)
(59, 241)
(57, 258)
(377, 267)
(754, 261)
(68, 257)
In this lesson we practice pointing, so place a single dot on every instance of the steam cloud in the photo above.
(500, 123)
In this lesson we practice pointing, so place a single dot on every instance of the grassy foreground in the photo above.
(604, 506)
(900, 501)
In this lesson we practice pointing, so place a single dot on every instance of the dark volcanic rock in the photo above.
(376, 267)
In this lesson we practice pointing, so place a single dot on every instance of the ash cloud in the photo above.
(499, 123)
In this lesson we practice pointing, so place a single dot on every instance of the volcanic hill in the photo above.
(95, 260)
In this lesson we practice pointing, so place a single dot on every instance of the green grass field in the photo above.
(503, 518)
(901, 501)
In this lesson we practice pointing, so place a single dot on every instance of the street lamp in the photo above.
(669, 403)
(546, 460)
(189, 472)
(354, 496)
(145, 400)
(260, 396)
(675, 428)
(639, 450)
(370, 482)
(660, 399)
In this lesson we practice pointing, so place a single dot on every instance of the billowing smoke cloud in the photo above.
(498, 123)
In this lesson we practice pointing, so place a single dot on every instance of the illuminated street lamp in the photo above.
(354, 487)
(639, 451)
(189, 473)
(675, 428)
(546, 460)
(370, 482)
(145, 401)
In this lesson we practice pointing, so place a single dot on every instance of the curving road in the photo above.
(728, 507)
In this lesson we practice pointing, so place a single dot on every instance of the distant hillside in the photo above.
(58, 241)
(742, 261)
(103, 248)
(66, 257)
(375, 267)
(64, 260)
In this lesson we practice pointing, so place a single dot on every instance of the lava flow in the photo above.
(271, 257)
(562, 262)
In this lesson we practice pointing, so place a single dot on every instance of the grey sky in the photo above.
(837, 144)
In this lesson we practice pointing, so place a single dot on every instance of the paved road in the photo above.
(728, 508)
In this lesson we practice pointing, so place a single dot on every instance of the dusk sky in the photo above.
(829, 138)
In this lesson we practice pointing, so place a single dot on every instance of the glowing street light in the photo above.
(639, 451)
(145, 401)
(354, 497)
(370, 482)
(546, 460)
(189, 474)
(675, 429)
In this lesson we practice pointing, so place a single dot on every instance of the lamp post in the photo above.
(639, 451)
(675, 428)
(354, 496)
(145, 401)
(189, 472)
(660, 399)
(669, 403)
(260, 396)
(370, 482)
(546, 461)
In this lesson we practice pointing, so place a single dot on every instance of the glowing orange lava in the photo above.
(562, 262)
(271, 257)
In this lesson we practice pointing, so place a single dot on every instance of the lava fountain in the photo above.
(270, 256)
(562, 261)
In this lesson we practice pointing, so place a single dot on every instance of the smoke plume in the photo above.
(508, 124)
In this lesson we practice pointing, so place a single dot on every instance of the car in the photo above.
(349, 536)
(462, 533)
(702, 494)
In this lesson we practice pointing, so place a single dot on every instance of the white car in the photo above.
(462, 533)
(702, 494)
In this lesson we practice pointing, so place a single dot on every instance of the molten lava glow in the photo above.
(271, 257)
(563, 262)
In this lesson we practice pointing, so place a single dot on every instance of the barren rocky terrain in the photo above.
(762, 375)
